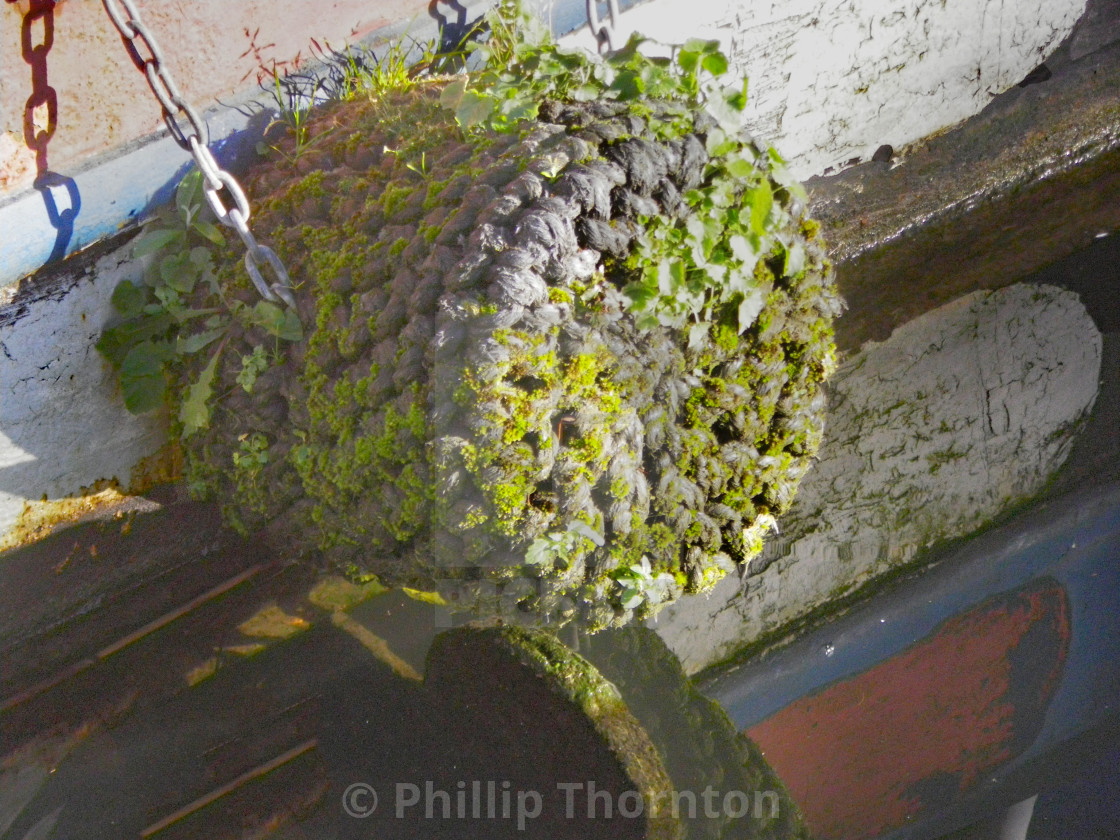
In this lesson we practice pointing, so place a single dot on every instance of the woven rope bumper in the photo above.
(472, 382)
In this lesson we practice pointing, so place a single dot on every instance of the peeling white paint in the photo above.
(62, 423)
(832, 80)
(960, 414)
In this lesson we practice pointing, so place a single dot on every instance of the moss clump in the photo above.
(477, 408)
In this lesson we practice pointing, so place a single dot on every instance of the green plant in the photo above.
(689, 273)
(522, 67)
(158, 324)
(562, 546)
(640, 584)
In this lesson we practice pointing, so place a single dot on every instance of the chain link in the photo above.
(189, 130)
(604, 31)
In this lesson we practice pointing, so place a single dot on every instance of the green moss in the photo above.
(558, 295)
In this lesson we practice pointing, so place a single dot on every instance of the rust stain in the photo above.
(867, 754)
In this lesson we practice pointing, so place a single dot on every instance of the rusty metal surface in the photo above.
(955, 693)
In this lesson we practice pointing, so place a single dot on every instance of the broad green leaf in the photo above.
(179, 272)
(521, 110)
(736, 100)
(742, 249)
(688, 60)
(129, 299)
(151, 241)
(715, 62)
(750, 306)
(761, 200)
(718, 143)
(252, 366)
(451, 95)
(115, 342)
(143, 382)
(739, 167)
(640, 295)
(585, 93)
(202, 258)
(781, 174)
(628, 84)
(539, 552)
(194, 413)
(276, 320)
(473, 109)
(188, 195)
(697, 334)
(630, 598)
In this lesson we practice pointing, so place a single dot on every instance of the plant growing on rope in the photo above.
(159, 326)
(564, 346)
(688, 272)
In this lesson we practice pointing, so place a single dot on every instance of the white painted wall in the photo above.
(959, 415)
(832, 80)
(63, 426)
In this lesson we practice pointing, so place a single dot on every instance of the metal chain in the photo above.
(604, 31)
(189, 130)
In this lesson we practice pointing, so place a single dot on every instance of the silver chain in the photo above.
(604, 31)
(189, 130)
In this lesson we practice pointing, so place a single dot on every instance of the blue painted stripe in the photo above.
(73, 211)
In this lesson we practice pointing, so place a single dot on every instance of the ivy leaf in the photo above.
(630, 598)
(194, 413)
(715, 62)
(697, 335)
(541, 550)
(143, 381)
(761, 200)
(750, 306)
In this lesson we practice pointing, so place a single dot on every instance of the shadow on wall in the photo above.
(40, 120)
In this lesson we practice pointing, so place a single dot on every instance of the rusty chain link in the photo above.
(604, 31)
(189, 130)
